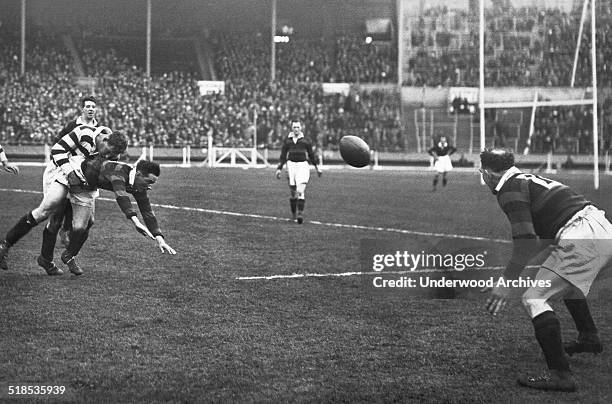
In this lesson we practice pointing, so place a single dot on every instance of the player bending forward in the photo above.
(579, 240)
(297, 152)
(122, 179)
(441, 153)
(59, 178)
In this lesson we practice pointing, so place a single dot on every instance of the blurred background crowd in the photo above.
(525, 47)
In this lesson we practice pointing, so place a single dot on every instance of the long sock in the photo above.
(293, 204)
(300, 205)
(435, 181)
(77, 239)
(444, 181)
(48, 244)
(67, 225)
(23, 227)
(579, 309)
(548, 334)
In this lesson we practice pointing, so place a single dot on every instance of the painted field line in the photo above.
(315, 222)
(345, 274)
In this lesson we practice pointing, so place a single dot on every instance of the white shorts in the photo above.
(55, 174)
(298, 173)
(443, 164)
(582, 249)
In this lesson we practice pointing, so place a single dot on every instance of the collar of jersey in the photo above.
(296, 138)
(132, 176)
(79, 121)
(509, 173)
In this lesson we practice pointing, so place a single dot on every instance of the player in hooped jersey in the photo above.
(58, 178)
(296, 153)
(578, 242)
(11, 168)
(441, 153)
(124, 180)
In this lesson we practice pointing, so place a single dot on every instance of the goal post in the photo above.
(507, 31)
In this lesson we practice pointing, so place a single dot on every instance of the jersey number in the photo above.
(544, 182)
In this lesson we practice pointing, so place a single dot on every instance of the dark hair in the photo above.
(497, 160)
(147, 167)
(88, 98)
(298, 120)
(118, 142)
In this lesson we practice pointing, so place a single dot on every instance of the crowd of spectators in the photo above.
(527, 47)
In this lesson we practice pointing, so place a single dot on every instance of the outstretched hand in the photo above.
(164, 247)
(278, 174)
(498, 299)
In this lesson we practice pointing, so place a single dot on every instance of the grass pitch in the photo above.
(140, 326)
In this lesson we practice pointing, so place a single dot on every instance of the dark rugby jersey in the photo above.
(115, 176)
(301, 150)
(537, 206)
(438, 151)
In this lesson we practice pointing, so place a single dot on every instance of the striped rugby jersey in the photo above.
(118, 177)
(536, 206)
(438, 151)
(297, 150)
(79, 142)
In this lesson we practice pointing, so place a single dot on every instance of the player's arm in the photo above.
(312, 157)
(282, 159)
(432, 152)
(451, 150)
(514, 201)
(125, 204)
(6, 166)
(144, 205)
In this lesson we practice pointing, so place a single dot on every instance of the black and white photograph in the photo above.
(355, 201)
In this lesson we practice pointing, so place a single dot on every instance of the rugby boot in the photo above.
(49, 266)
(70, 261)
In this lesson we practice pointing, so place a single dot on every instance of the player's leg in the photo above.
(45, 259)
(301, 202)
(588, 337)
(548, 332)
(293, 201)
(53, 197)
(82, 220)
(301, 178)
(64, 231)
(291, 177)
(435, 181)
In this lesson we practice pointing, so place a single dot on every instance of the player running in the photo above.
(297, 152)
(441, 153)
(580, 239)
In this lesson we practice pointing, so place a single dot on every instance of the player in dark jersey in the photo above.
(441, 153)
(59, 178)
(578, 238)
(296, 153)
(124, 180)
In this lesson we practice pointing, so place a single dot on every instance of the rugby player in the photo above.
(296, 153)
(578, 239)
(59, 176)
(122, 179)
(441, 153)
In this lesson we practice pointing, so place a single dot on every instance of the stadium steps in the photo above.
(76, 60)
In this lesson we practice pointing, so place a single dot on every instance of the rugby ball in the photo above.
(354, 151)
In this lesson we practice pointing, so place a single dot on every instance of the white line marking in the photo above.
(316, 222)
